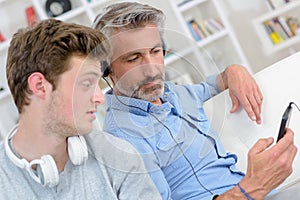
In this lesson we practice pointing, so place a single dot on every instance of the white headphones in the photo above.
(77, 150)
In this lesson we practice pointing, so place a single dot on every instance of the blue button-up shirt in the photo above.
(184, 156)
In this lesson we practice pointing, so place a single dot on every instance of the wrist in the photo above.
(222, 81)
(254, 190)
(246, 195)
(230, 73)
(225, 75)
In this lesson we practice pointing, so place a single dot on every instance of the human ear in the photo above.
(37, 84)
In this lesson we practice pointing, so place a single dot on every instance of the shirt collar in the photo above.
(139, 106)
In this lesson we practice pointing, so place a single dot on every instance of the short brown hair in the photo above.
(46, 48)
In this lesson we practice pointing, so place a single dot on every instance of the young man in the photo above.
(53, 71)
(167, 124)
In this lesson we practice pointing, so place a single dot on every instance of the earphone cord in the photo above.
(292, 103)
(170, 133)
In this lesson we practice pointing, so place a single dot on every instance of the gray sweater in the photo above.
(113, 170)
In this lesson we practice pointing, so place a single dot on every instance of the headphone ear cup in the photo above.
(105, 68)
(49, 176)
(164, 48)
(77, 149)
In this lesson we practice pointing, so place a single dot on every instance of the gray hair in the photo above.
(128, 15)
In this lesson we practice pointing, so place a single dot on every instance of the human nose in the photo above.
(98, 96)
(148, 66)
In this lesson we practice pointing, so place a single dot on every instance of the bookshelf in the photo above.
(213, 48)
(276, 35)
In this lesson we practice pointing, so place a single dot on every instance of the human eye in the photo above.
(157, 50)
(87, 83)
(132, 58)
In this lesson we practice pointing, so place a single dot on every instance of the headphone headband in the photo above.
(22, 163)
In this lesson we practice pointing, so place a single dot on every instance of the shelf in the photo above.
(285, 44)
(258, 23)
(190, 5)
(212, 38)
(205, 10)
(279, 11)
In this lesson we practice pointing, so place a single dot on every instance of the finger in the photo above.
(291, 153)
(287, 157)
(235, 103)
(261, 145)
(259, 98)
(248, 107)
(255, 108)
(260, 94)
(285, 142)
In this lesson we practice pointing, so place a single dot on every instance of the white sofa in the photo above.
(280, 84)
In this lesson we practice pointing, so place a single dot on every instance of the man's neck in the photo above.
(31, 142)
(157, 102)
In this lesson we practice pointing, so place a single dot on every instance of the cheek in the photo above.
(79, 102)
(68, 110)
(70, 105)
(130, 78)
(119, 74)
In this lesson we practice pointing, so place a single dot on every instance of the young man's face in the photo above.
(73, 104)
(138, 63)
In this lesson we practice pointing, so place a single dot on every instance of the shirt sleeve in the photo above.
(212, 82)
(204, 90)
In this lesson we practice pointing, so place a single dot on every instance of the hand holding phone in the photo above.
(285, 121)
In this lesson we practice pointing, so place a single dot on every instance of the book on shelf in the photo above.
(294, 25)
(274, 36)
(2, 38)
(278, 29)
(197, 29)
(282, 28)
(192, 30)
(201, 29)
(282, 21)
(214, 25)
(30, 16)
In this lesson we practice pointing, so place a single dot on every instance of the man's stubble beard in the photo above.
(54, 122)
(138, 92)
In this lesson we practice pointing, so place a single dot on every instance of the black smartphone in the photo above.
(285, 121)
